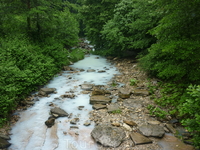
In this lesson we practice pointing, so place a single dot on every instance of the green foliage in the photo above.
(116, 111)
(158, 112)
(190, 109)
(128, 29)
(175, 56)
(95, 14)
(133, 82)
(77, 54)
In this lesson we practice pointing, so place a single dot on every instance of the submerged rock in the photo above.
(60, 112)
(108, 135)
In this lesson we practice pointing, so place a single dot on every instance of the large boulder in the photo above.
(59, 112)
(99, 99)
(152, 130)
(108, 135)
(4, 143)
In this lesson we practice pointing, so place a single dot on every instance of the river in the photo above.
(31, 133)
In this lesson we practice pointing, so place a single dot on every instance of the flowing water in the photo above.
(31, 133)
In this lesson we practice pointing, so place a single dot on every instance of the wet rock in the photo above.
(4, 143)
(50, 122)
(101, 71)
(152, 130)
(67, 68)
(74, 121)
(87, 123)
(91, 70)
(74, 127)
(108, 135)
(113, 107)
(140, 92)
(60, 112)
(30, 103)
(97, 92)
(99, 99)
(139, 138)
(68, 96)
(46, 91)
(130, 123)
(85, 92)
(70, 115)
(80, 107)
(81, 70)
(86, 87)
(99, 106)
(5, 137)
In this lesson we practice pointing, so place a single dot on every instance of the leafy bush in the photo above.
(190, 110)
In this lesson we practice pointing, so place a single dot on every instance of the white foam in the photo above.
(31, 133)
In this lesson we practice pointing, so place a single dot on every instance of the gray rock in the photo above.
(60, 112)
(171, 128)
(99, 99)
(86, 87)
(4, 143)
(139, 139)
(152, 130)
(45, 91)
(80, 107)
(113, 107)
(74, 127)
(108, 135)
(99, 106)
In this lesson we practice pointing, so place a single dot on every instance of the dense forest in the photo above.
(37, 36)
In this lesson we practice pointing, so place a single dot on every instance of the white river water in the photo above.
(31, 133)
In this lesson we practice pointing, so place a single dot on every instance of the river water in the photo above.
(31, 133)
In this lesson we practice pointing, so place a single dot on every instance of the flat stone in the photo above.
(115, 124)
(80, 107)
(99, 99)
(99, 106)
(74, 127)
(60, 112)
(140, 92)
(138, 138)
(48, 90)
(4, 143)
(124, 93)
(152, 130)
(97, 92)
(86, 87)
(113, 107)
(131, 123)
(108, 135)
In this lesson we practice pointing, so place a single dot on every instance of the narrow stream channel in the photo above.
(31, 133)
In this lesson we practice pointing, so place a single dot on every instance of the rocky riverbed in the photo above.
(120, 116)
